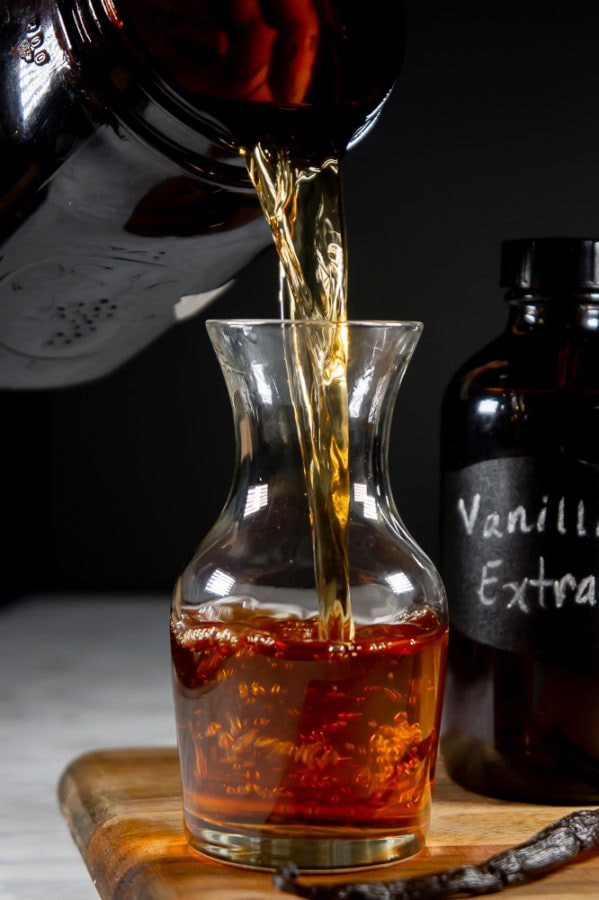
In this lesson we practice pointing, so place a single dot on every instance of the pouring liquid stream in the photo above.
(290, 84)
(302, 203)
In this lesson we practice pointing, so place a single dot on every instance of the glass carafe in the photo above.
(294, 746)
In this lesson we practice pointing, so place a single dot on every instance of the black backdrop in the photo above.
(492, 132)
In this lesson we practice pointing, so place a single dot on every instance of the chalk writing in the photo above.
(540, 591)
(568, 517)
(521, 553)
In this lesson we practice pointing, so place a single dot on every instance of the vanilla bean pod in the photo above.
(549, 849)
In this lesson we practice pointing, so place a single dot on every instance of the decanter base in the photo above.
(308, 852)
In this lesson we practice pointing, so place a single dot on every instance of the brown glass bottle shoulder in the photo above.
(532, 372)
(520, 397)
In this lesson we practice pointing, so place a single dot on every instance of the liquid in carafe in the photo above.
(287, 728)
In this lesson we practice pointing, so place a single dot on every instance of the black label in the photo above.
(521, 554)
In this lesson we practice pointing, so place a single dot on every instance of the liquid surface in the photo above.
(277, 727)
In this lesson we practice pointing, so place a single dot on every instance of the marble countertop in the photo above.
(76, 673)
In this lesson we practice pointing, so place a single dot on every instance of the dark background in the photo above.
(492, 133)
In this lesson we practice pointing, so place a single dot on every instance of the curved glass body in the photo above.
(294, 746)
(520, 457)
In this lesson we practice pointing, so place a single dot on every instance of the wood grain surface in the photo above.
(124, 810)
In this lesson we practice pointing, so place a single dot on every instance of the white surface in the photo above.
(76, 674)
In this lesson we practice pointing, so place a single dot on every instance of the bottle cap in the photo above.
(550, 267)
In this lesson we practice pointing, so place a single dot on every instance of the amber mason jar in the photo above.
(520, 526)
(121, 187)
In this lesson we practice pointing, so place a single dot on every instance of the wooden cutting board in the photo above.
(124, 810)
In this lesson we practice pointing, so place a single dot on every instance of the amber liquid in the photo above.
(278, 728)
(285, 724)
(289, 90)
(302, 203)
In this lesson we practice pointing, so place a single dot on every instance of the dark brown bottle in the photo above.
(121, 185)
(520, 536)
